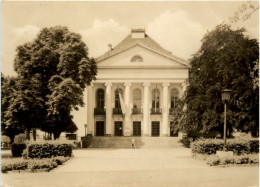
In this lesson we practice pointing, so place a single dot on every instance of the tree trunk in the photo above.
(27, 134)
(56, 135)
(12, 138)
(34, 135)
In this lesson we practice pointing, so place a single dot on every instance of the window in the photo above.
(137, 98)
(100, 98)
(174, 97)
(156, 98)
(117, 99)
(137, 58)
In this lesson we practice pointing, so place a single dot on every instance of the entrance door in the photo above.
(172, 134)
(100, 128)
(118, 128)
(155, 128)
(137, 128)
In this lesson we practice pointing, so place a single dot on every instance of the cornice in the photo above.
(142, 67)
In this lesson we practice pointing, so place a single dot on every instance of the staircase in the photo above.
(140, 142)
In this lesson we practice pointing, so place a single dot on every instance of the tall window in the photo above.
(156, 98)
(137, 98)
(100, 98)
(117, 100)
(174, 97)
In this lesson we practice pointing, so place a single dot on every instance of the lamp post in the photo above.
(85, 125)
(225, 94)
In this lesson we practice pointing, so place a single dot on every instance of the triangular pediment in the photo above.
(148, 58)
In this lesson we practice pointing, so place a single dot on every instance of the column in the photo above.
(108, 100)
(165, 112)
(127, 129)
(90, 110)
(146, 109)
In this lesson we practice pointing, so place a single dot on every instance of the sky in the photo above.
(178, 26)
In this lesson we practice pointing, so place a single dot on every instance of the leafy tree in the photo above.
(226, 60)
(244, 12)
(9, 126)
(53, 71)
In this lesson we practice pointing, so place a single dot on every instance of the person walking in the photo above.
(133, 143)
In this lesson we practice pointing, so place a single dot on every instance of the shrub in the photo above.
(60, 159)
(17, 149)
(32, 164)
(48, 149)
(42, 164)
(213, 160)
(185, 141)
(239, 146)
(86, 141)
(13, 164)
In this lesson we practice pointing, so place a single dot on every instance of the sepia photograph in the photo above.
(129, 93)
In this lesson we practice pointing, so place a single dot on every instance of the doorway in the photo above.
(118, 128)
(155, 128)
(100, 128)
(137, 128)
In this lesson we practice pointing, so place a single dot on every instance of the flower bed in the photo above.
(31, 164)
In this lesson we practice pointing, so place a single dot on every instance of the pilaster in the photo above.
(90, 110)
(127, 129)
(165, 113)
(108, 99)
(146, 110)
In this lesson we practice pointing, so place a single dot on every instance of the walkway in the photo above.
(140, 167)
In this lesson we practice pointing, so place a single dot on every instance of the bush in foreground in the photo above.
(17, 149)
(185, 141)
(239, 146)
(48, 149)
(32, 164)
(214, 160)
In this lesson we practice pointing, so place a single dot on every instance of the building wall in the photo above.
(117, 70)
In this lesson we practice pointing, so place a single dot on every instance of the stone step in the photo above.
(140, 142)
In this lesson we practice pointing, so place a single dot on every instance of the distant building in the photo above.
(136, 88)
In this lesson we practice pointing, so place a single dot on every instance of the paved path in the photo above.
(140, 167)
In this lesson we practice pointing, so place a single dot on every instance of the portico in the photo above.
(136, 89)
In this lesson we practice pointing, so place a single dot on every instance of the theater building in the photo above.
(135, 90)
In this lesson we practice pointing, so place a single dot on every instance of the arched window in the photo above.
(117, 99)
(137, 98)
(100, 99)
(156, 99)
(174, 97)
(137, 58)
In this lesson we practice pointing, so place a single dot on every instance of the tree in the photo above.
(53, 72)
(226, 60)
(9, 126)
(244, 12)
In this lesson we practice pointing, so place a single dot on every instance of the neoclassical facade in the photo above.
(137, 85)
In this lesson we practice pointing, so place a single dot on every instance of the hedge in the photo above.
(48, 149)
(17, 149)
(236, 159)
(239, 146)
(32, 164)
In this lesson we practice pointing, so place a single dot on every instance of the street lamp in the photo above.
(85, 125)
(225, 94)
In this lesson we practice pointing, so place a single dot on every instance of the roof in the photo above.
(146, 42)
